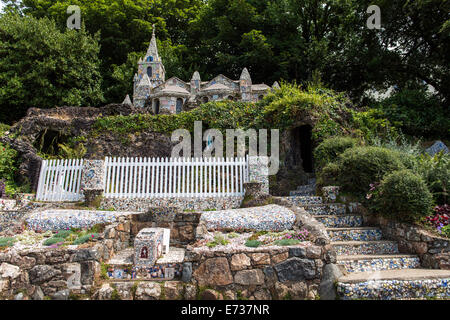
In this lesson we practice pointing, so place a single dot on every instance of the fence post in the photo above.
(93, 181)
(258, 171)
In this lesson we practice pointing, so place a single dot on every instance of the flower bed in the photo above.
(219, 241)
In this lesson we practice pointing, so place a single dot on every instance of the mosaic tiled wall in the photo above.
(92, 175)
(258, 170)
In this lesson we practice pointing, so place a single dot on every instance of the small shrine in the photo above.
(150, 259)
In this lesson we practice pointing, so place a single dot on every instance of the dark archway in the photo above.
(156, 110)
(302, 147)
(179, 105)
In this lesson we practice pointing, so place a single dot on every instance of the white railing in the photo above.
(168, 177)
(59, 180)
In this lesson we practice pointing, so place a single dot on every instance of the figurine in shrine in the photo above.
(144, 253)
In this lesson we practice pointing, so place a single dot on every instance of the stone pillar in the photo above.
(258, 171)
(93, 181)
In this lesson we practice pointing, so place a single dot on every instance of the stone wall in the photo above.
(284, 273)
(59, 272)
(434, 251)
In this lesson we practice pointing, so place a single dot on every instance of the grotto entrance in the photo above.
(302, 147)
(49, 141)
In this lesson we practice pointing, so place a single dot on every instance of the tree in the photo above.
(125, 27)
(43, 67)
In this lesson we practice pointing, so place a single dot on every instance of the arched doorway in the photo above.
(156, 106)
(179, 105)
(302, 147)
(149, 72)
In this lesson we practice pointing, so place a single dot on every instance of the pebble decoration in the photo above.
(344, 221)
(355, 235)
(378, 264)
(266, 218)
(325, 209)
(304, 200)
(385, 247)
(394, 289)
(65, 219)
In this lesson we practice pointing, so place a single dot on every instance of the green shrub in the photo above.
(7, 242)
(53, 240)
(286, 242)
(436, 173)
(329, 150)
(63, 234)
(446, 231)
(86, 238)
(361, 166)
(252, 243)
(328, 175)
(404, 196)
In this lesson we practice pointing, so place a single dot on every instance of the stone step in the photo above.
(302, 193)
(355, 234)
(344, 221)
(365, 247)
(364, 263)
(395, 284)
(304, 200)
(306, 187)
(326, 209)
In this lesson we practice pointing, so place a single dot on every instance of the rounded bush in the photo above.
(404, 196)
(328, 175)
(330, 149)
(361, 166)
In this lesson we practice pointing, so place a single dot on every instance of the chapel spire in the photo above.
(153, 48)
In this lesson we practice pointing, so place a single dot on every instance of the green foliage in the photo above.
(361, 166)
(372, 125)
(63, 234)
(328, 176)
(53, 240)
(329, 150)
(219, 239)
(404, 196)
(7, 242)
(417, 112)
(77, 152)
(7, 163)
(8, 169)
(3, 128)
(286, 242)
(85, 238)
(64, 66)
(436, 173)
(446, 231)
(253, 243)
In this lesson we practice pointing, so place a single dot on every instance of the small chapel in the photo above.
(151, 89)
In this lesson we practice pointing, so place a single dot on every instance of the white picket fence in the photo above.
(180, 177)
(59, 180)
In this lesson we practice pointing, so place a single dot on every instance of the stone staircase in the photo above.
(373, 267)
